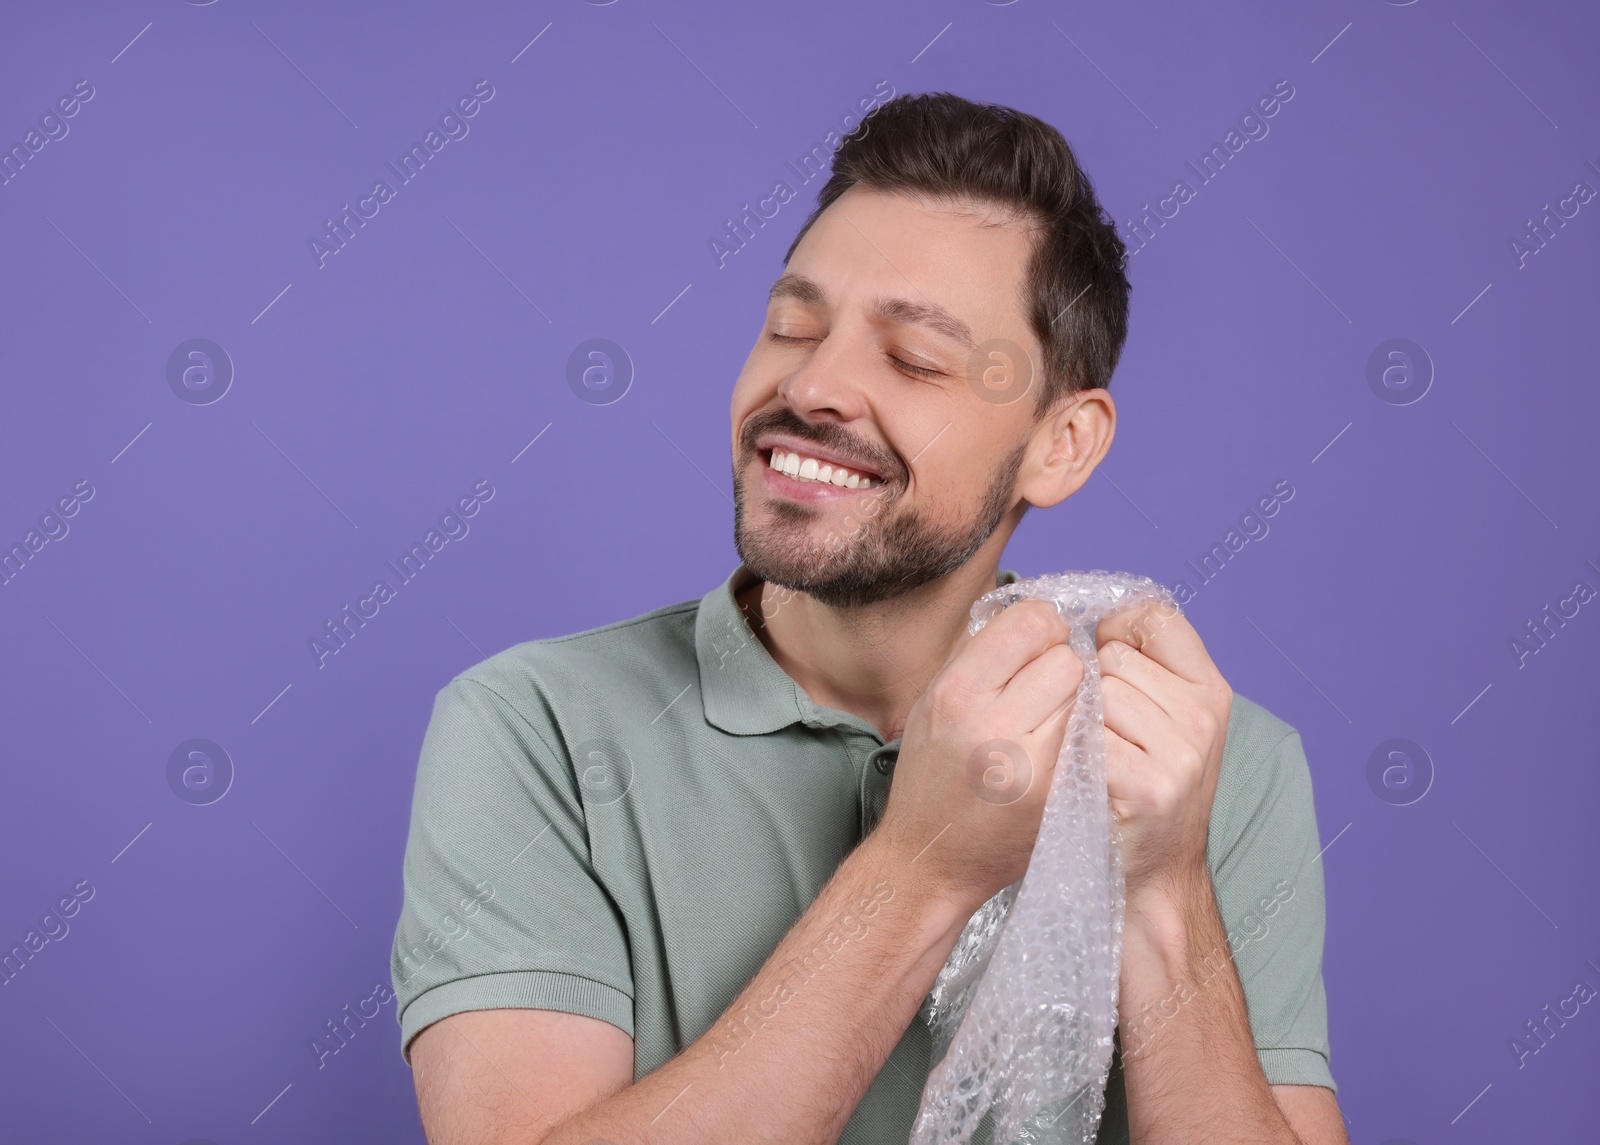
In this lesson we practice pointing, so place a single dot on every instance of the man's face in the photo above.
(862, 361)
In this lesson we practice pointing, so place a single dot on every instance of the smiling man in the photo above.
(690, 877)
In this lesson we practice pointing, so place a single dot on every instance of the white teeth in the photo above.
(811, 469)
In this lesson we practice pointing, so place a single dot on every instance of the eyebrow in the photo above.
(900, 310)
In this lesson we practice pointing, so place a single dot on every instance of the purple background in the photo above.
(373, 392)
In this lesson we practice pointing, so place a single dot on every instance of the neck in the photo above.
(873, 661)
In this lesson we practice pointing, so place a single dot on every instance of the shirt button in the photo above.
(882, 764)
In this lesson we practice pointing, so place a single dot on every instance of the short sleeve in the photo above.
(502, 906)
(1267, 873)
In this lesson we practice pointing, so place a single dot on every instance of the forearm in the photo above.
(792, 1056)
(1188, 1055)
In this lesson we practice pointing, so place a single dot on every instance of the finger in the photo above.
(1128, 664)
(1162, 633)
(1008, 642)
(1137, 718)
(1124, 766)
(1044, 687)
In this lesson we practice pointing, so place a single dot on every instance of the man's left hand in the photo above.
(1166, 713)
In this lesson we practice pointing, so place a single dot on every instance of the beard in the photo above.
(877, 552)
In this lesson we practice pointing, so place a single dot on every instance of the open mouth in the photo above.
(802, 467)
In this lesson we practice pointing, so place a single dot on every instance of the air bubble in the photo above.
(1023, 1011)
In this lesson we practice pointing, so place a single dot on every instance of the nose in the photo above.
(827, 383)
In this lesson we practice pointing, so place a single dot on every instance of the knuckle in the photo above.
(1038, 622)
(949, 689)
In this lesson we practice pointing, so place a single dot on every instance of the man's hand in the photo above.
(979, 753)
(1166, 711)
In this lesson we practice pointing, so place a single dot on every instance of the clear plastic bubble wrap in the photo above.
(1023, 1012)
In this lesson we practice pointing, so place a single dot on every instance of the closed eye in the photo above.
(920, 371)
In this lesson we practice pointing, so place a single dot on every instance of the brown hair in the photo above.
(942, 145)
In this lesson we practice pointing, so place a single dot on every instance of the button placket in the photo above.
(875, 791)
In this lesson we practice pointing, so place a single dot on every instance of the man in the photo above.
(659, 885)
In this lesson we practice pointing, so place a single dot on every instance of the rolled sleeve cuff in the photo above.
(525, 990)
(1295, 1065)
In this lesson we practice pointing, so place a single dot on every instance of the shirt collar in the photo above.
(743, 689)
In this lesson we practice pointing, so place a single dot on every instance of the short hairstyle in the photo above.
(949, 148)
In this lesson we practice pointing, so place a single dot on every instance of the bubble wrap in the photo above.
(1023, 1012)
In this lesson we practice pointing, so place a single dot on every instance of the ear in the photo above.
(1067, 445)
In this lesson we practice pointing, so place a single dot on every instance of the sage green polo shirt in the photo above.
(625, 822)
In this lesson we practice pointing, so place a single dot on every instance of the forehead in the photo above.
(966, 256)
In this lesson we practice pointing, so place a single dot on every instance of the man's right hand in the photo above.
(979, 753)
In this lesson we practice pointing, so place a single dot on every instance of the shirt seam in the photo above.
(517, 973)
(509, 703)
